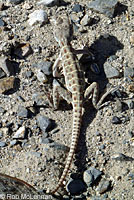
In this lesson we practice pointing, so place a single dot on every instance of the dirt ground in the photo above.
(101, 139)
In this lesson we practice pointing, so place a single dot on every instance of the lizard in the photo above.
(75, 85)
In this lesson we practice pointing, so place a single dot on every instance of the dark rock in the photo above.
(44, 123)
(15, 1)
(75, 186)
(116, 120)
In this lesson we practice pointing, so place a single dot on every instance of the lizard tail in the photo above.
(77, 116)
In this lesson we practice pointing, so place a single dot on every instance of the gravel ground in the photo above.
(35, 138)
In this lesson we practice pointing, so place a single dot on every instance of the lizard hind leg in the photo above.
(60, 92)
(94, 90)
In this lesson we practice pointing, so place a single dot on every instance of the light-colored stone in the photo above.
(38, 16)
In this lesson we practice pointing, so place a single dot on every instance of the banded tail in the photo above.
(77, 116)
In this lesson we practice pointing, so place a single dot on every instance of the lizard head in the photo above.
(62, 28)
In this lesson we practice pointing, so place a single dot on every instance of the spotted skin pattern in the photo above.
(75, 84)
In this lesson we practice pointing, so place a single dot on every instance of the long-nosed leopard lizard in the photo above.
(75, 84)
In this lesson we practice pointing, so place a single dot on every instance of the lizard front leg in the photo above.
(60, 92)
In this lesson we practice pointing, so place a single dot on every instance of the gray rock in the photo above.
(49, 2)
(45, 67)
(38, 16)
(2, 74)
(77, 8)
(29, 74)
(39, 100)
(75, 186)
(2, 110)
(22, 112)
(6, 65)
(128, 72)
(37, 154)
(59, 146)
(15, 1)
(86, 20)
(13, 142)
(45, 140)
(44, 123)
(121, 157)
(110, 72)
(91, 175)
(130, 103)
(75, 18)
(1, 134)
(2, 144)
(20, 133)
(2, 22)
(41, 77)
(106, 7)
(103, 186)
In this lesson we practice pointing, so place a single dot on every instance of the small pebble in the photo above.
(116, 120)
(103, 186)
(38, 16)
(45, 67)
(49, 2)
(128, 72)
(6, 65)
(132, 38)
(37, 154)
(44, 123)
(91, 175)
(45, 140)
(77, 8)
(2, 110)
(2, 144)
(13, 142)
(6, 84)
(121, 157)
(75, 18)
(130, 103)
(20, 133)
(23, 50)
(86, 20)
(22, 112)
(41, 77)
(110, 72)
(2, 22)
